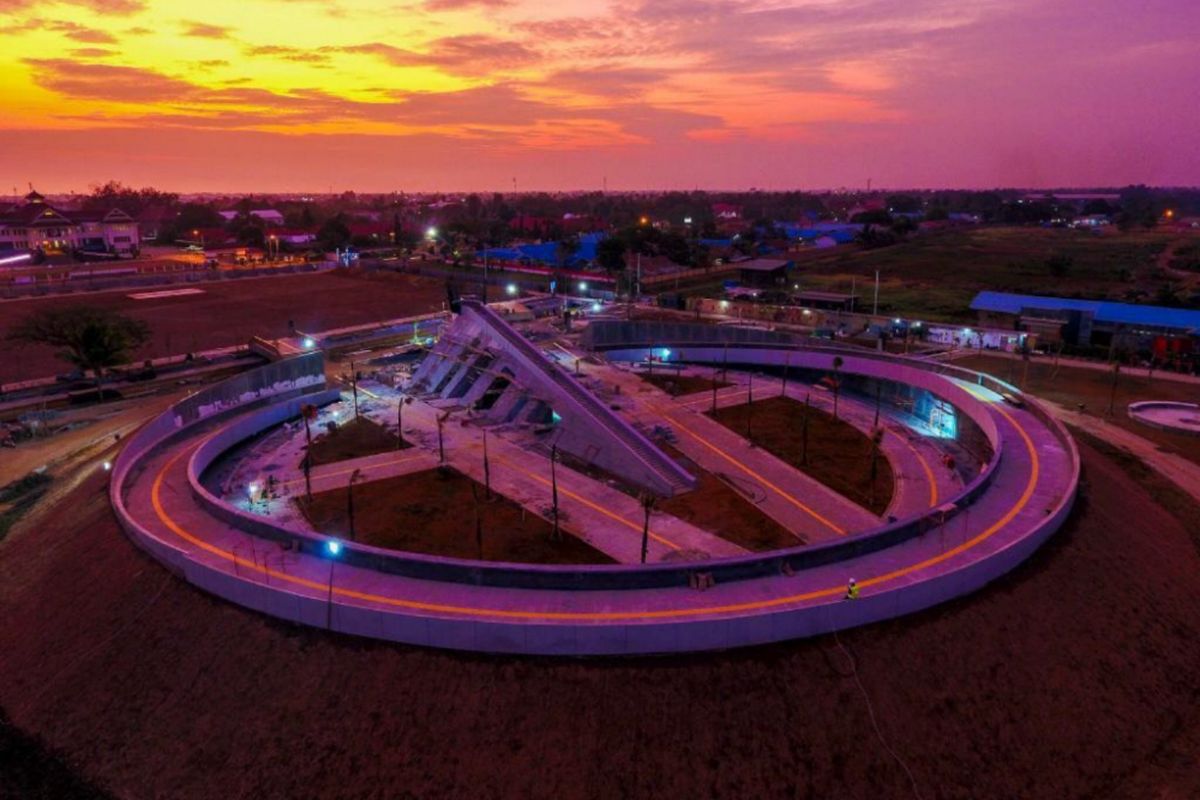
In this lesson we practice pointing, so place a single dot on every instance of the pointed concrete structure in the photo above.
(481, 361)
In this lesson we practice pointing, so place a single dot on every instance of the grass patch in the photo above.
(838, 454)
(934, 276)
(433, 512)
(28, 768)
(354, 439)
(1179, 503)
(677, 384)
(18, 497)
(1070, 386)
(718, 508)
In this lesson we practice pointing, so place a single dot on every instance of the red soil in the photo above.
(1076, 676)
(229, 313)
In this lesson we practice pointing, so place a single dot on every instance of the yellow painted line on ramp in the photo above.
(598, 616)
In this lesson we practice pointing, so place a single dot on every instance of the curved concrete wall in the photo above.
(489, 634)
(603, 577)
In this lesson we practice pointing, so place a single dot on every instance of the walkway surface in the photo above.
(603, 516)
(800, 503)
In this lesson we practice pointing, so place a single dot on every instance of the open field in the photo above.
(229, 313)
(1076, 676)
(1072, 386)
(838, 454)
(935, 276)
(433, 512)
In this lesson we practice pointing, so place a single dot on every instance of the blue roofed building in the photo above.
(545, 253)
(1159, 331)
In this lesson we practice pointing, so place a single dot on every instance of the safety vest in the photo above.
(852, 591)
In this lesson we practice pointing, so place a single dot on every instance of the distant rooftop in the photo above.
(1102, 310)
(763, 264)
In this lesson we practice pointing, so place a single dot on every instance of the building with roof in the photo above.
(1156, 331)
(36, 225)
(764, 271)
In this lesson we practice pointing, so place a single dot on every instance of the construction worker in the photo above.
(851, 590)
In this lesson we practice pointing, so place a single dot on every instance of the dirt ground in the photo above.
(229, 313)
(1076, 676)
(717, 507)
(674, 384)
(839, 455)
(355, 439)
(1094, 388)
(433, 512)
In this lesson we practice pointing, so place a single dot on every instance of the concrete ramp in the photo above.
(483, 362)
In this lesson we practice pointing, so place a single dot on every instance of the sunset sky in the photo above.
(375, 95)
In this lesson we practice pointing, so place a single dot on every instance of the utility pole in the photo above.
(647, 504)
(804, 432)
(485, 271)
(749, 407)
(876, 439)
(878, 391)
(1112, 398)
(639, 275)
(875, 305)
(354, 386)
(787, 363)
(478, 520)
(404, 400)
(487, 468)
(557, 533)
(714, 390)
(307, 413)
(441, 442)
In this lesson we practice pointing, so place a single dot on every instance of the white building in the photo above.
(36, 225)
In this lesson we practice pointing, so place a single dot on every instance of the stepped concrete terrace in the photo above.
(977, 534)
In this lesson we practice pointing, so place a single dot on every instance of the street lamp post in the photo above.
(647, 504)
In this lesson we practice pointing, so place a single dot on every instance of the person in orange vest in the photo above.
(851, 590)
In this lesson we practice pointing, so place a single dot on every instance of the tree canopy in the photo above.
(92, 339)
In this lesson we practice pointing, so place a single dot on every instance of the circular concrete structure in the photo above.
(1168, 416)
(1018, 499)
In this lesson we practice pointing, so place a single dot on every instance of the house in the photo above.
(37, 225)
(764, 271)
(825, 301)
(295, 236)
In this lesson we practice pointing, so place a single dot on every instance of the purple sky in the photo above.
(470, 94)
